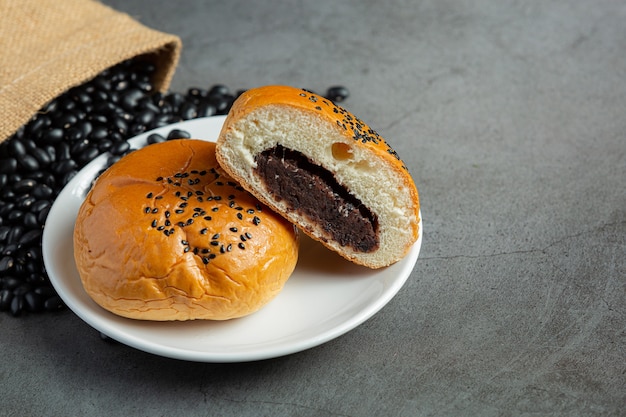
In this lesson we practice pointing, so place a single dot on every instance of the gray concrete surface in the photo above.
(511, 117)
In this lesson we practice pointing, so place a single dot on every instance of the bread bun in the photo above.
(324, 170)
(166, 234)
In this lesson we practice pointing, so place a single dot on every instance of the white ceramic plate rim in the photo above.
(343, 295)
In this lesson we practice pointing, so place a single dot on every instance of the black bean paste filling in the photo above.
(342, 216)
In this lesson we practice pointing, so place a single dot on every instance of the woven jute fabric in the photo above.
(49, 46)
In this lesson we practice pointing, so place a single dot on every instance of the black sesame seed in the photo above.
(207, 218)
(168, 223)
(233, 229)
(154, 223)
(167, 214)
(242, 237)
(205, 260)
(229, 247)
(250, 211)
(179, 211)
(216, 236)
(155, 210)
(215, 209)
(149, 195)
(248, 235)
(160, 228)
(205, 250)
(256, 220)
(239, 216)
(184, 242)
(146, 210)
(204, 231)
(241, 245)
(215, 243)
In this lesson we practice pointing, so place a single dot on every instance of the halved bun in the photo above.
(166, 234)
(324, 170)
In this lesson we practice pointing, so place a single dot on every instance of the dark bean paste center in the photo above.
(343, 217)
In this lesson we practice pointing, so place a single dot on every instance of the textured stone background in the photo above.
(511, 117)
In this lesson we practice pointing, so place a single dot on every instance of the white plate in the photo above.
(325, 297)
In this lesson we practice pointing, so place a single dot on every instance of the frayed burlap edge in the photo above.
(50, 46)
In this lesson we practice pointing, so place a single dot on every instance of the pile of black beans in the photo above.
(43, 155)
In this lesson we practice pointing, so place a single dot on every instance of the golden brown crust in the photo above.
(380, 175)
(166, 234)
(352, 126)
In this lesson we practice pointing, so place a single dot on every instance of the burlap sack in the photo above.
(49, 46)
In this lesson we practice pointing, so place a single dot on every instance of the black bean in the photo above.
(29, 163)
(65, 166)
(45, 291)
(8, 165)
(4, 233)
(53, 303)
(15, 216)
(104, 145)
(130, 98)
(16, 148)
(145, 117)
(17, 305)
(188, 111)
(34, 302)
(79, 146)
(30, 237)
(53, 135)
(119, 148)
(42, 191)
(9, 282)
(30, 221)
(88, 154)
(43, 214)
(155, 138)
(218, 90)
(26, 201)
(206, 110)
(6, 296)
(73, 134)
(98, 132)
(42, 156)
(85, 127)
(178, 134)
(39, 205)
(337, 93)
(24, 186)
